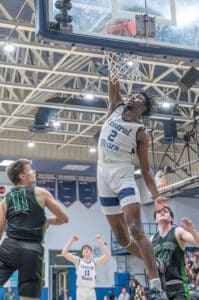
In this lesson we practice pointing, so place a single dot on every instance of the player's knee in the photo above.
(122, 240)
(136, 230)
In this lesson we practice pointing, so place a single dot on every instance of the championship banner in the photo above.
(12, 281)
(47, 181)
(67, 189)
(87, 189)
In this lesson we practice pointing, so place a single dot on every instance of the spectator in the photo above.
(10, 295)
(124, 295)
(64, 295)
(194, 293)
(133, 287)
(138, 292)
(144, 296)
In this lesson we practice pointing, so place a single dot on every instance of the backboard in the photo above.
(169, 27)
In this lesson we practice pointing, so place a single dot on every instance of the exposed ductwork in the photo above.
(42, 117)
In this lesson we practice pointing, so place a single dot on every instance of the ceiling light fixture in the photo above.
(31, 144)
(6, 162)
(92, 150)
(166, 105)
(9, 48)
(88, 96)
(56, 123)
(130, 63)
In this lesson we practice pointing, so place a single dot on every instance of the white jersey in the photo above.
(117, 139)
(86, 272)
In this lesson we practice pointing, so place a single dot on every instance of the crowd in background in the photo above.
(139, 292)
(192, 270)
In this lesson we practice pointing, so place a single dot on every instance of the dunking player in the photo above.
(122, 134)
(169, 245)
(86, 267)
(23, 209)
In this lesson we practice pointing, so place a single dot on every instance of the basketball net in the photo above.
(123, 66)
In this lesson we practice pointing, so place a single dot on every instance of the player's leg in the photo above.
(120, 224)
(82, 293)
(8, 259)
(107, 182)
(121, 232)
(92, 295)
(178, 292)
(30, 271)
(111, 207)
(133, 219)
(124, 185)
(5, 273)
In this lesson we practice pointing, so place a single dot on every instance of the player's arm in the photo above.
(65, 251)
(142, 153)
(46, 199)
(187, 233)
(2, 216)
(106, 253)
(114, 95)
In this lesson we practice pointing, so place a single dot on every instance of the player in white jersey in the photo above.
(123, 135)
(86, 267)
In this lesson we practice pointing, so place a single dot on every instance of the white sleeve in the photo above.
(77, 260)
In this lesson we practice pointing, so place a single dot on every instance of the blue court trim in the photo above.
(126, 192)
(109, 201)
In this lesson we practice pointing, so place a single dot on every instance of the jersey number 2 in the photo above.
(112, 135)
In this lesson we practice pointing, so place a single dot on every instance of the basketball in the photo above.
(121, 27)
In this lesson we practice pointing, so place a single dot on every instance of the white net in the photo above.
(123, 66)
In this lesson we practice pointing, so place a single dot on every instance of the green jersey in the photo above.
(25, 216)
(168, 249)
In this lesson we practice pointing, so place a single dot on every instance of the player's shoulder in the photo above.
(116, 109)
(41, 190)
(142, 134)
(179, 230)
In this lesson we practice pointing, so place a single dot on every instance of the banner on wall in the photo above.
(4, 189)
(47, 181)
(67, 189)
(87, 189)
(12, 281)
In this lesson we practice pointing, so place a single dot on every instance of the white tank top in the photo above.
(86, 272)
(117, 139)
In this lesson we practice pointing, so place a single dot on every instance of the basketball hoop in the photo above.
(122, 65)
